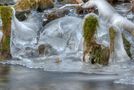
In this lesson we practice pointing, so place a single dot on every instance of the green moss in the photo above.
(90, 27)
(97, 53)
(127, 46)
(112, 34)
(6, 14)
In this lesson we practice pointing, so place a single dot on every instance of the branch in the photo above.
(110, 14)
(71, 5)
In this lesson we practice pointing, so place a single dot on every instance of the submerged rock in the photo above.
(54, 14)
(23, 15)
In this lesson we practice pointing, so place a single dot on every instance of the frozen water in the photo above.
(24, 35)
(64, 34)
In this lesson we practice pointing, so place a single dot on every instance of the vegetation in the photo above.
(97, 53)
(6, 14)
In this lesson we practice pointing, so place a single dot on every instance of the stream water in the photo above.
(64, 43)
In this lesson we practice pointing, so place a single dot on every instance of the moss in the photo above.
(127, 46)
(6, 14)
(112, 34)
(24, 5)
(97, 53)
(89, 27)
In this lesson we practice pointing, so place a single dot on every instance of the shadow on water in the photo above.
(22, 78)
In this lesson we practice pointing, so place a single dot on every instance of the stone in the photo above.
(24, 5)
(55, 14)
(6, 14)
(23, 15)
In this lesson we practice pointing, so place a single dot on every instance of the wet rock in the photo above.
(46, 49)
(112, 1)
(24, 5)
(55, 14)
(23, 15)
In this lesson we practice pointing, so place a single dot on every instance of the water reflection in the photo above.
(21, 78)
(4, 78)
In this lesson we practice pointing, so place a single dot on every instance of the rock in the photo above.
(45, 4)
(23, 15)
(80, 10)
(46, 50)
(112, 1)
(64, 35)
(55, 14)
(24, 5)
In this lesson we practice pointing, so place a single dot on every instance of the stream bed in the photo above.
(66, 71)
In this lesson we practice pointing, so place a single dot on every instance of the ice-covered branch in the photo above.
(71, 5)
(109, 13)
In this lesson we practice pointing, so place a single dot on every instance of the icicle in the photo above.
(118, 53)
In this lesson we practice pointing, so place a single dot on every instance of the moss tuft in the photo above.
(90, 28)
(6, 14)
(112, 34)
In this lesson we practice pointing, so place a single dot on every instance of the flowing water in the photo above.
(64, 48)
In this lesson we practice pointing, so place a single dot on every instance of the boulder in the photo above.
(55, 14)
(24, 5)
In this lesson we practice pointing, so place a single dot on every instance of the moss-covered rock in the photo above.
(55, 14)
(25, 5)
(6, 14)
(93, 52)
(112, 34)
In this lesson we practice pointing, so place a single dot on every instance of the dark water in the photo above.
(21, 78)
